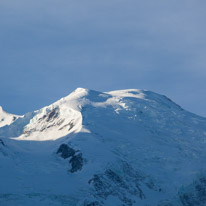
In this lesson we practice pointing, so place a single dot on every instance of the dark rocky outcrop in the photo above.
(14, 118)
(126, 184)
(70, 124)
(113, 176)
(53, 114)
(1, 142)
(195, 194)
(65, 151)
(76, 160)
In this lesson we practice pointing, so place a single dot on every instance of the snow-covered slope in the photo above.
(6, 118)
(128, 147)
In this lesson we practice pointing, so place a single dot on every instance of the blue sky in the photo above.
(50, 47)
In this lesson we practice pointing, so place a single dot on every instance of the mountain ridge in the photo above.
(125, 147)
(7, 118)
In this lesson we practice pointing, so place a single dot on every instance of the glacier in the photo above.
(126, 147)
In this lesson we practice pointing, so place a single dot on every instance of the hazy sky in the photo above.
(50, 47)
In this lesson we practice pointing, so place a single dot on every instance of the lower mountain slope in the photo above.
(128, 147)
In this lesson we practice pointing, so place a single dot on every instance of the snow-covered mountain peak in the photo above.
(6, 118)
(68, 115)
(62, 117)
(77, 93)
(126, 147)
(81, 96)
(137, 93)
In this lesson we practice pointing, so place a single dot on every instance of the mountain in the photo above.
(6, 118)
(120, 148)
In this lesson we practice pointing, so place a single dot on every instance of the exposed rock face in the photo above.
(53, 114)
(196, 194)
(76, 160)
(126, 186)
(47, 121)
(76, 163)
(65, 151)
(191, 195)
(1, 142)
